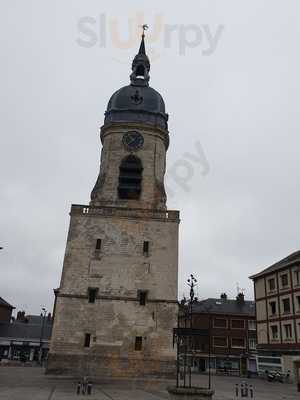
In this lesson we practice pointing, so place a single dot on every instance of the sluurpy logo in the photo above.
(103, 31)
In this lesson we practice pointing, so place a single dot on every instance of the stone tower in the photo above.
(117, 301)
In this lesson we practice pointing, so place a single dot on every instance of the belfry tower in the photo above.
(117, 301)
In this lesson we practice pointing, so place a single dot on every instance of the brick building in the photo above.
(117, 301)
(232, 328)
(277, 297)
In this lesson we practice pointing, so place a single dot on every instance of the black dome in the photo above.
(137, 104)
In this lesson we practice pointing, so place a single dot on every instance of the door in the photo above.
(202, 364)
(243, 366)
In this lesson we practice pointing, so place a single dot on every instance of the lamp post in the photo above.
(192, 282)
(43, 314)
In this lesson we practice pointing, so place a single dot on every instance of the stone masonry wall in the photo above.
(118, 270)
(152, 156)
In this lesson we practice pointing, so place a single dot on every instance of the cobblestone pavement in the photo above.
(18, 383)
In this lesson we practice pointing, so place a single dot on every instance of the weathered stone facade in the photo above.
(152, 155)
(117, 334)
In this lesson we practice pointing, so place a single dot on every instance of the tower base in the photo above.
(107, 367)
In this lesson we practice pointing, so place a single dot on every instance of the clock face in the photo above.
(133, 140)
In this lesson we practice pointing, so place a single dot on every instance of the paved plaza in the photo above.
(17, 383)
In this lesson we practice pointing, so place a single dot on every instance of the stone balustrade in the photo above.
(168, 215)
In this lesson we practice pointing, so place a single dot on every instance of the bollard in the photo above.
(242, 390)
(89, 388)
(236, 390)
(251, 391)
(78, 388)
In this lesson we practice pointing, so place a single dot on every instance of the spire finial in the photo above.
(144, 27)
(142, 45)
(141, 64)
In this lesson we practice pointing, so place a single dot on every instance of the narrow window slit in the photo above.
(146, 248)
(138, 343)
(87, 340)
(98, 244)
(92, 294)
(142, 296)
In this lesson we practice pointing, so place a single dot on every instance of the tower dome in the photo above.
(138, 102)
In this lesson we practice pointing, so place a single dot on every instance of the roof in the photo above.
(141, 104)
(225, 306)
(22, 330)
(37, 320)
(137, 102)
(292, 259)
(4, 303)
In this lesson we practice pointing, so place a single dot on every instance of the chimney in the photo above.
(21, 316)
(223, 296)
(240, 298)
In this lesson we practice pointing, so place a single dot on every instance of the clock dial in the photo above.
(133, 140)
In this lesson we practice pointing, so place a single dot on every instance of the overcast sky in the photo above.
(229, 75)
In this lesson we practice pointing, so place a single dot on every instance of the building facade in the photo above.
(117, 301)
(25, 338)
(6, 310)
(277, 297)
(230, 348)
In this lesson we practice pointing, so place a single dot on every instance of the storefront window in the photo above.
(228, 363)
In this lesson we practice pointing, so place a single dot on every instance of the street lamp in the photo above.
(192, 282)
(43, 314)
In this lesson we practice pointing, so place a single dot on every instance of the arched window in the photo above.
(130, 178)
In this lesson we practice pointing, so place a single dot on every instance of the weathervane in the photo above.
(144, 27)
